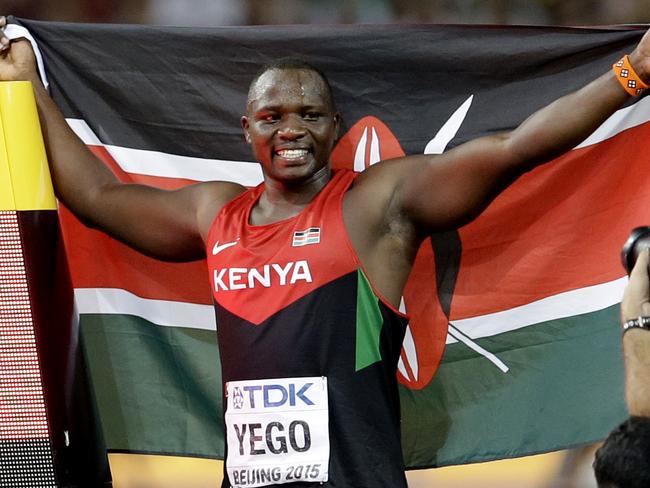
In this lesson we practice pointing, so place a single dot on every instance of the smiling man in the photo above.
(308, 268)
(295, 87)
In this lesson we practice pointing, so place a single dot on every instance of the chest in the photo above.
(255, 271)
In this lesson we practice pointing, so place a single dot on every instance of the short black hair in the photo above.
(291, 64)
(623, 461)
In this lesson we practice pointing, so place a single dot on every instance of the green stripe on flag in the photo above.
(157, 388)
(369, 323)
(445, 424)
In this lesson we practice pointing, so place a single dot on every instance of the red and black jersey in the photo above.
(292, 300)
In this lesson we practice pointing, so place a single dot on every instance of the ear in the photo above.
(337, 125)
(245, 125)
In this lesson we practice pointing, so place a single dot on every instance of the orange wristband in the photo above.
(628, 78)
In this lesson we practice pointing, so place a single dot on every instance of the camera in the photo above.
(638, 241)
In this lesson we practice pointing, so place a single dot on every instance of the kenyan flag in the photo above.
(513, 344)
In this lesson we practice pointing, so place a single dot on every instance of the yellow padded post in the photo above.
(6, 188)
(25, 182)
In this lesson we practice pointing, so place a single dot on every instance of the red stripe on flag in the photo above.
(157, 181)
(558, 228)
(97, 261)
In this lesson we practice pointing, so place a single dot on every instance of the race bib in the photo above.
(277, 431)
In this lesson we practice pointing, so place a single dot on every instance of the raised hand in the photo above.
(17, 60)
(640, 58)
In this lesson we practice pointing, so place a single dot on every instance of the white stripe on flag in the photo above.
(567, 304)
(159, 312)
(156, 163)
(621, 120)
(84, 132)
(190, 315)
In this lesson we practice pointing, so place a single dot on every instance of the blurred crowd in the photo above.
(256, 12)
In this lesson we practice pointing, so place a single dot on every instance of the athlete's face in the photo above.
(291, 124)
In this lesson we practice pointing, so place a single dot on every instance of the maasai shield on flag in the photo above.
(513, 343)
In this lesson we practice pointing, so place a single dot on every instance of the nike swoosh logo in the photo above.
(218, 248)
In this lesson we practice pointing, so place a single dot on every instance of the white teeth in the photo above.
(292, 153)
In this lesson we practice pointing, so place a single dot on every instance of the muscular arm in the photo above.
(168, 225)
(636, 342)
(452, 189)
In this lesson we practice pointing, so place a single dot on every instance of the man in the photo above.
(307, 269)
(624, 459)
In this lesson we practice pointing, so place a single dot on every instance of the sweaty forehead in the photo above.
(279, 86)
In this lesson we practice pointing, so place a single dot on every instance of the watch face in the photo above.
(638, 241)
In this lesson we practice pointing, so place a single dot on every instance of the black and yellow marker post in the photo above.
(38, 365)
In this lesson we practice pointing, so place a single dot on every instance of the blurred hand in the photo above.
(636, 298)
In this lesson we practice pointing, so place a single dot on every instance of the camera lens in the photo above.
(638, 241)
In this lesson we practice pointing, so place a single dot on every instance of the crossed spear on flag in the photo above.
(437, 145)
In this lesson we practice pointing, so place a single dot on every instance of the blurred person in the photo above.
(32, 9)
(195, 13)
(575, 469)
(574, 12)
(624, 459)
(320, 257)
(410, 11)
(96, 11)
(262, 12)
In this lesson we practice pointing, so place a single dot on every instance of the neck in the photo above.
(284, 199)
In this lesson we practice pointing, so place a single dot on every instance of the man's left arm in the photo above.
(451, 189)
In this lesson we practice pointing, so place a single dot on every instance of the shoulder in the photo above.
(381, 182)
(221, 190)
(215, 194)
(210, 197)
(372, 204)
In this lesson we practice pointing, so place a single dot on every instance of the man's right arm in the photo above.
(170, 225)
